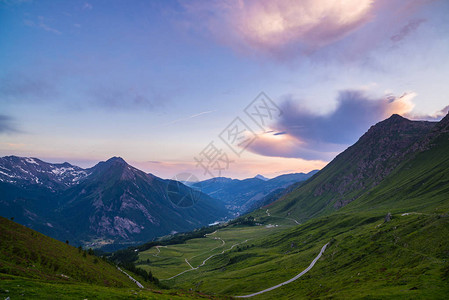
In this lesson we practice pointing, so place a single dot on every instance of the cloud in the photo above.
(23, 87)
(273, 25)
(15, 2)
(436, 116)
(189, 117)
(116, 98)
(284, 29)
(42, 23)
(309, 135)
(87, 6)
(7, 125)
(411, 26)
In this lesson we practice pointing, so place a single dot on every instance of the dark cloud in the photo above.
(355, 113)
(411, 26)
(308, 135)
(7, 125)
(115, 98)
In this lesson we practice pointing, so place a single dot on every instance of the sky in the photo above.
(228, 88)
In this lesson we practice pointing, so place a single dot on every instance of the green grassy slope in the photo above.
(37, 266)
(421, 184)
(27, 253)
(406, 257)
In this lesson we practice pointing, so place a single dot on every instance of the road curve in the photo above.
(290, 280)
(204, 261)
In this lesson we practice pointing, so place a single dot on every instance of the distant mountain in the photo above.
(358, 169)
(241, 196)
(27, 171)
(111, 202)
(258, 176)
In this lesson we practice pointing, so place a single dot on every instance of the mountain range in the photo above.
(242, 196)
(109, 203)
(114, 204)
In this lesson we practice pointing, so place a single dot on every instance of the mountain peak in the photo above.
(116, 159)
(261, 177)
(396, 118)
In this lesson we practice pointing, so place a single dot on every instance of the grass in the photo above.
(367, 258)
(171, 259)
(17, 287)
(35, 266)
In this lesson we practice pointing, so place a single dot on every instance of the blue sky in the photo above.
(156, 81)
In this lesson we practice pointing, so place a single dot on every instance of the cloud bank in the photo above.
(273, 25)
(309, 135)
(286, 28)
(7, 125)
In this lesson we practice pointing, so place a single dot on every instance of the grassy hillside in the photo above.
(405, 257)
(33, 265)
(421, 184)
(352, 173)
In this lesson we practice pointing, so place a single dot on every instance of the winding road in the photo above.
(204, 261)
(158, 250)
(290, 280)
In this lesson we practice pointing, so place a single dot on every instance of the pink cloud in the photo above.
(285, 28)
(277, 24)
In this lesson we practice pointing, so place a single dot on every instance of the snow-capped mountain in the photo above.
(28, 170)
(109, 203)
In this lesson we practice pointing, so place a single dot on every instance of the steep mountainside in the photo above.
(417, 185)
(34, 266)
(120, 202)
(359, 168)
(27, 253)
(113, 203)
(241, 196)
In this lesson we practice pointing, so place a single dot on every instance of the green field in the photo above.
(167, 261)
(406, 257)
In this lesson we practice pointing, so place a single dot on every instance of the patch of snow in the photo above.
(24, 171)
(31, 161)
(1, 172)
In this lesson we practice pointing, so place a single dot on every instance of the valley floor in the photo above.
(366, 258)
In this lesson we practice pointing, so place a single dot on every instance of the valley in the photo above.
(380, 235)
